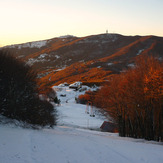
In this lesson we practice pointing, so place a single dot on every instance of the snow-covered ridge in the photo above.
(36, 44)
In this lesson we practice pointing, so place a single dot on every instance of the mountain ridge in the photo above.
(90, 58)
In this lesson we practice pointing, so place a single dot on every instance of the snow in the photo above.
(42, 55)
(31, 61)
(109, 64)
(140, 51)
(35, 44)
(75, 115)
(57, 56)
(132, 65)
(60, 69)
(72, 141)
(40, 58)
(76, 84)
(66, 144)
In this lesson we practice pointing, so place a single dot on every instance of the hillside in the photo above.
(91, 59)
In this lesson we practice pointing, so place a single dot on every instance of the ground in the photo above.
(73, 114)
(72, 141)
(67, 144)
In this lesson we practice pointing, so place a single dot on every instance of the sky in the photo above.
(32, 20)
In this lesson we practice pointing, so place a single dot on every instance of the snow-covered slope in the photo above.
(73, 114)
(65, 144)
(72, 141)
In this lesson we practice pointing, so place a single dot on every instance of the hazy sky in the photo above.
(32, 20)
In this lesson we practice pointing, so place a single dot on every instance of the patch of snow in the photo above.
(36, 44)
(42, 56)
(131, 65)
(31, 61)
(82, 61)
(62, 85)
(140, 51)
(75, 85)
(57, 56)
(61, 68)
(109, 64)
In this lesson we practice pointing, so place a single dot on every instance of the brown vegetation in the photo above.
(135, 100)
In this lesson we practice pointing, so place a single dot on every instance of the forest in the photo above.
(134, 99)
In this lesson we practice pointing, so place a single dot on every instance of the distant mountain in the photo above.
(91, 59)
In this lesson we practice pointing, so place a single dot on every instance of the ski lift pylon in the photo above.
(89, 104)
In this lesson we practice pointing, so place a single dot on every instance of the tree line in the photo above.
(134, 99)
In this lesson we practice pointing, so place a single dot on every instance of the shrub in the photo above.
(87, 97)
(19, 93)
(83, 99)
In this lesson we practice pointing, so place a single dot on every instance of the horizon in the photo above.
(75, 36)
(27, 21)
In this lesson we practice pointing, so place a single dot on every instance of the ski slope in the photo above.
(72, 141)
(73, 114)
(72, 145)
